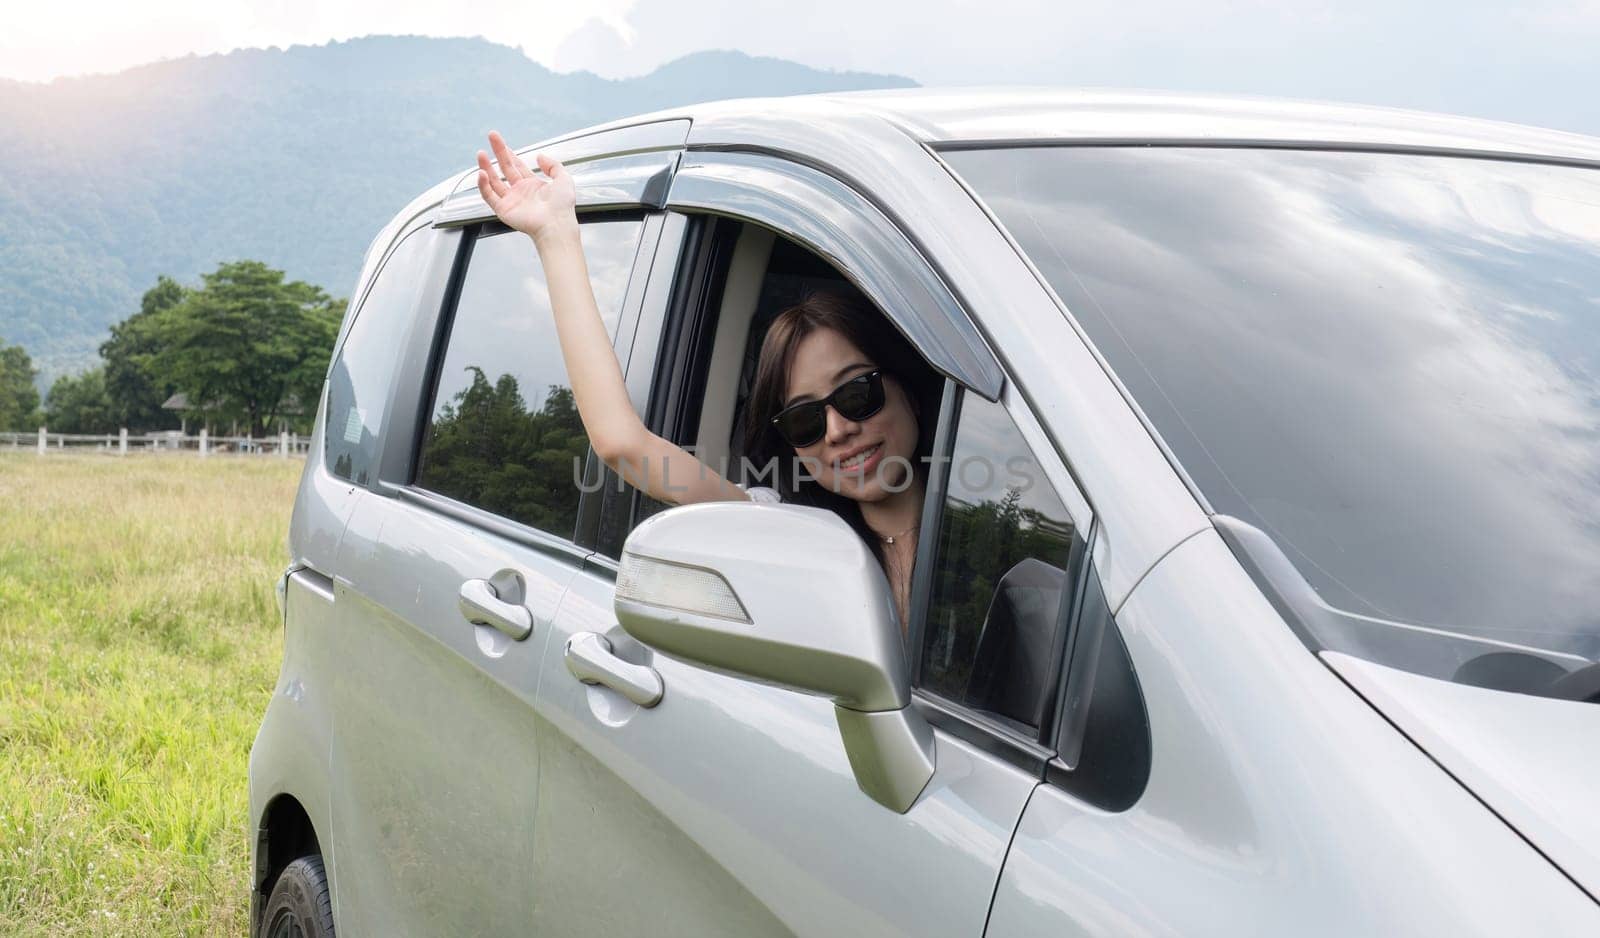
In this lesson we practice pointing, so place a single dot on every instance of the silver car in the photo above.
(1258, 594)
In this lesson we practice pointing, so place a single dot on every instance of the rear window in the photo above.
(1388, 363)
(359, 384)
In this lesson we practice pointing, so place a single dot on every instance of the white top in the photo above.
(762, 495)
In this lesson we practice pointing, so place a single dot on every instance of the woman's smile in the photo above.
(862, 460)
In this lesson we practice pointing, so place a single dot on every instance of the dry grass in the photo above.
(139, 641)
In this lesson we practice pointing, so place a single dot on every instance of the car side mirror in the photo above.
(785, 595)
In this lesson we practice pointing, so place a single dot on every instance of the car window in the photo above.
(504, 433)
(991, 635)
(358, 385)
(1385, 364)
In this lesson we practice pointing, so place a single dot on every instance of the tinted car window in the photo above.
(358, 385)
(1390, 364)
(1000, 574)
(504, 433)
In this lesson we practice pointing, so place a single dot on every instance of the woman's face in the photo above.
(853, 457)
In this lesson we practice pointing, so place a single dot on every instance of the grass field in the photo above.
(139, 642)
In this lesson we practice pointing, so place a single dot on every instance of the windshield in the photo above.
(1388, 364)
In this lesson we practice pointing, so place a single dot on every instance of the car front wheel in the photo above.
(299, 906)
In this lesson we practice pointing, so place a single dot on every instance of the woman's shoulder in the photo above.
(762, 495)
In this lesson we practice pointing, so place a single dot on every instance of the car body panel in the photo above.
(731, 808)
(434, 765)
(1534, 760)
(432, 747)
(1278, 801)
(322, 506)
(289, 757)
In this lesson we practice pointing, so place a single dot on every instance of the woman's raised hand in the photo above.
(540, 208)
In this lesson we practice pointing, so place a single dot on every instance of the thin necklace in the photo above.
(890, 538)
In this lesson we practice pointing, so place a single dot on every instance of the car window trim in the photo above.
(922, 568)
(1053, 463)
(413, 320)
(622, 138)
(688, 250)
(1309, 145)
(1063, 650)
(1068, 770)
(880, 259)
(491, 523)
(633, 180)
(636, 353)
(1079, 551)
(686, 329)
(429, 337)
(679, 237)
(990, 736)
(600, 565)
(591, 501)
(376, 257)
(409, 391)
(358, 302)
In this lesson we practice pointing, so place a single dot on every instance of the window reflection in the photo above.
(505, 434)
(1390, 363)
(358, 385)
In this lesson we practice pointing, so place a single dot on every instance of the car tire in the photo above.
(300, 906)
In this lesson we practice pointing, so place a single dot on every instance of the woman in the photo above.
(838, 415)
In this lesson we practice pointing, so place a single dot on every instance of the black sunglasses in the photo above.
(857, 399)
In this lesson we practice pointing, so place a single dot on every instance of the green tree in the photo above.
(487, 448)
(135, 395)
(19, 399)
(80, 405)
(979, 543)
(246, 345)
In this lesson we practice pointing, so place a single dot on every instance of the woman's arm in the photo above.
(544, 209)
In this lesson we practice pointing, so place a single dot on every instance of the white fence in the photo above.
(172, 441)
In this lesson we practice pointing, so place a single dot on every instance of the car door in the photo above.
(449, 573)
(730, 807)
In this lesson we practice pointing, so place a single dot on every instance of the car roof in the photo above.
(969, 116)
(809, 126)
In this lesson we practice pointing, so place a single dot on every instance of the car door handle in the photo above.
(591, 661)
(481, 604)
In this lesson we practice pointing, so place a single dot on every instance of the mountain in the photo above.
(295, 157)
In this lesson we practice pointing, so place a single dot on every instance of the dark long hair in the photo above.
(855, 318)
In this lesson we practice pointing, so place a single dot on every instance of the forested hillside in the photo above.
(291, 157)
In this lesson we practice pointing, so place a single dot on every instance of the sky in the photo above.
(1530, 60)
